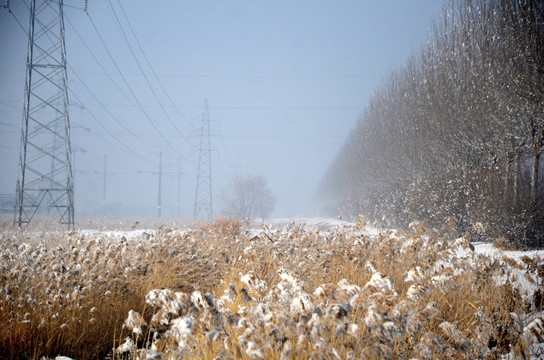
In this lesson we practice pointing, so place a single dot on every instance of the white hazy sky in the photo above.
(285, 82)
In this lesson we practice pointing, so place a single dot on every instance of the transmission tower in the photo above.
(45, 158)
(203, 198)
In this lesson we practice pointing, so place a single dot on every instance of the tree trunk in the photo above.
(507, 164)
(517, 169)
(534, 176)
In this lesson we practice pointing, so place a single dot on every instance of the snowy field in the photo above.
(289, 289)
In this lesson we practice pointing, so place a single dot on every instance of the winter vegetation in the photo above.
(459, 130)
(225, 291)
(247, 197)
(453, 139)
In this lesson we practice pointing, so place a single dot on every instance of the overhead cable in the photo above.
(149, 64)
(140, 67)
(99, 63)
(16, 19)
(107, 111)
(130, 89)
(111, 134)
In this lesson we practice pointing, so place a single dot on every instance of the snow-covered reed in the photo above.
(219, 291)
(70, 292)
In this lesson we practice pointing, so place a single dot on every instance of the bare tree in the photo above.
(442, 133)
(248, 197)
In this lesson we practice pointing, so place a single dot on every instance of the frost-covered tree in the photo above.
(248, 197)
(459, 130)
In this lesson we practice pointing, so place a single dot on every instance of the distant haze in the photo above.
(285, 82)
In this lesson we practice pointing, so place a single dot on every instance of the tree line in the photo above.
(457, 131)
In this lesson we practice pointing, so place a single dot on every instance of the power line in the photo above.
(265, 107)
(154, 74)
(16, 19)
(313, 107)
(73, 7)
(261, 76)
(107, 111)
(100, 64)
(7, 147)
(111, 134)
(141, 69)
(9, 105)
(128, 130)
(130, 89)
(8, 125)
(151, 67)
(229, 167)
(117, 165)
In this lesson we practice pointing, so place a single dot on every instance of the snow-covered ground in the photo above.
(495, 252)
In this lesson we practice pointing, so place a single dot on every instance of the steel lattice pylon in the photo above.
(203, 198)
(45, 160)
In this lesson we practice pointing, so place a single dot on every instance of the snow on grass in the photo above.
(290, 290)
(525, 273)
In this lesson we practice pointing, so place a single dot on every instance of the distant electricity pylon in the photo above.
(203, 198)
(45, 157)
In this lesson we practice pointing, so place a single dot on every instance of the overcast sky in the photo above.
(285, 82)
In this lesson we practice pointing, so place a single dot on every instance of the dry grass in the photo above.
(62, 293)
(311, 294)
